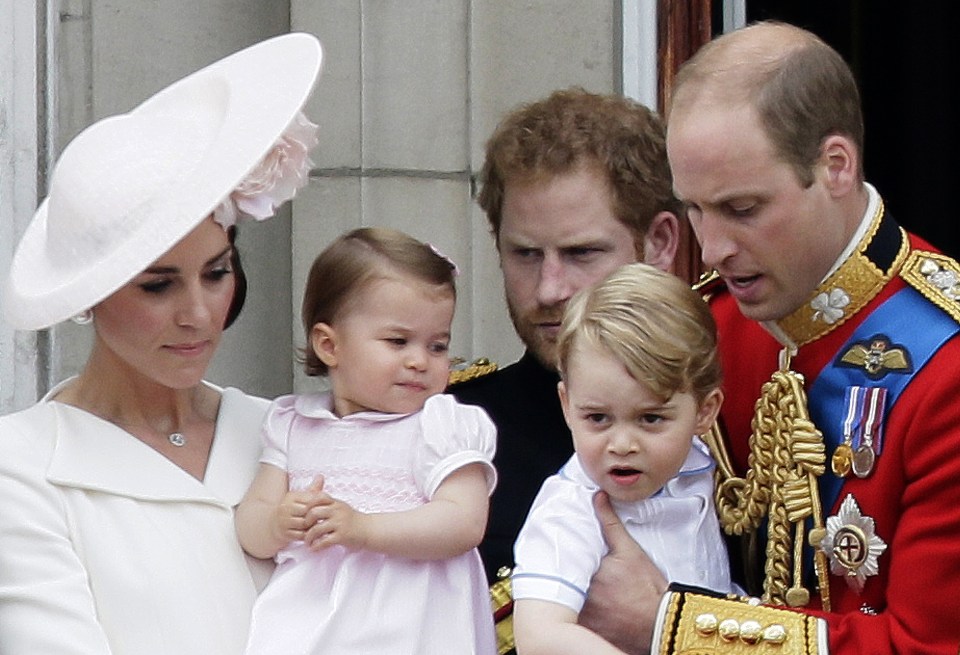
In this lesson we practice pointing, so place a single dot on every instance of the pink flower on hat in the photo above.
(275, 180)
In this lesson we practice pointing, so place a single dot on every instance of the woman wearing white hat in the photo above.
(117, 489)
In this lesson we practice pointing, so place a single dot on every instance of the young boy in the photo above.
(640, 380)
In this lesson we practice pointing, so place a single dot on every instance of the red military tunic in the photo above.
(912, 490)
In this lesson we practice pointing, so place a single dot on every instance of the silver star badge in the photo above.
(851, 545)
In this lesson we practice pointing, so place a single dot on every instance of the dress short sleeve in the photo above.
(275, 431)
(454, 435)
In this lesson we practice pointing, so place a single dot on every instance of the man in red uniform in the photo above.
(838, 333)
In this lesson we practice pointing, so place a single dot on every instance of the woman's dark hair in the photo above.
(240, 289)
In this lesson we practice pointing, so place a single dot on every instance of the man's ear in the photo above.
(323, 340)
(661, 241)
(708, 411)
(841, 165)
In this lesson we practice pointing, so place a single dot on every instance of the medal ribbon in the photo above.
(876, 397)
(854, 402)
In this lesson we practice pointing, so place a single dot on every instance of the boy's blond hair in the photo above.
(659, 328)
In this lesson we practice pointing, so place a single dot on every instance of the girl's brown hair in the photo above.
(351, 262)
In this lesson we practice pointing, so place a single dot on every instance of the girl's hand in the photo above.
(335, 522)
(292, 518)
(450, 524)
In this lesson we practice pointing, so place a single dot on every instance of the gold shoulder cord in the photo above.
(787, 454)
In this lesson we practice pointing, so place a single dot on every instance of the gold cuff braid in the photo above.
(695, 624)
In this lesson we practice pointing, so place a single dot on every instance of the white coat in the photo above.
(108, 547)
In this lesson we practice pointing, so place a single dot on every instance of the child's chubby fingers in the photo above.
(295, 513)
(308, 497)
(310, 494)
(335, 523)
(319, 536)
(290, 522)
(322, 533)
(291, 513)
(317, 485)
(298, 504)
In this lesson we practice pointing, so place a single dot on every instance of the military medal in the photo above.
(862, 432)
(865, 456)
(851, 545)
(863, 460)
(842, 459)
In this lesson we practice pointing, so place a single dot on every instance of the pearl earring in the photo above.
(83, 318)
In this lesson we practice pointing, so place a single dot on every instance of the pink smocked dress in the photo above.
(339, 601)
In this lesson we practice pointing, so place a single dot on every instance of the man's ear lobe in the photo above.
(323, 340)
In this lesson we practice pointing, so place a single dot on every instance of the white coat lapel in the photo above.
(94, 454)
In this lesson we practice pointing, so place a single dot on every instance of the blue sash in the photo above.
(918, 326)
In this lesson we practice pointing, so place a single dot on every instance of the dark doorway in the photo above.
(906, 63)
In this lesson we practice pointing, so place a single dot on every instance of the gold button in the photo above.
(775, 634)
(706, 624)
(729, 629)
(750, 632)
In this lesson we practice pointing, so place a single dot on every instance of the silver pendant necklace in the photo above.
(177, 439)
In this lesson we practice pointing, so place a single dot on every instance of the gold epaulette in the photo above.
(460, 371)
(937, 277)
(694, 622)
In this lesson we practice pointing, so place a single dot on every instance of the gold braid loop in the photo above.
(787, 454)
(809, 451)
(732, 496)
(796, 499)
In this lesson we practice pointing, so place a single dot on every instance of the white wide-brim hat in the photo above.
(129, 187)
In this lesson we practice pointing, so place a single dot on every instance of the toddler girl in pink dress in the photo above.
(372, 497)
